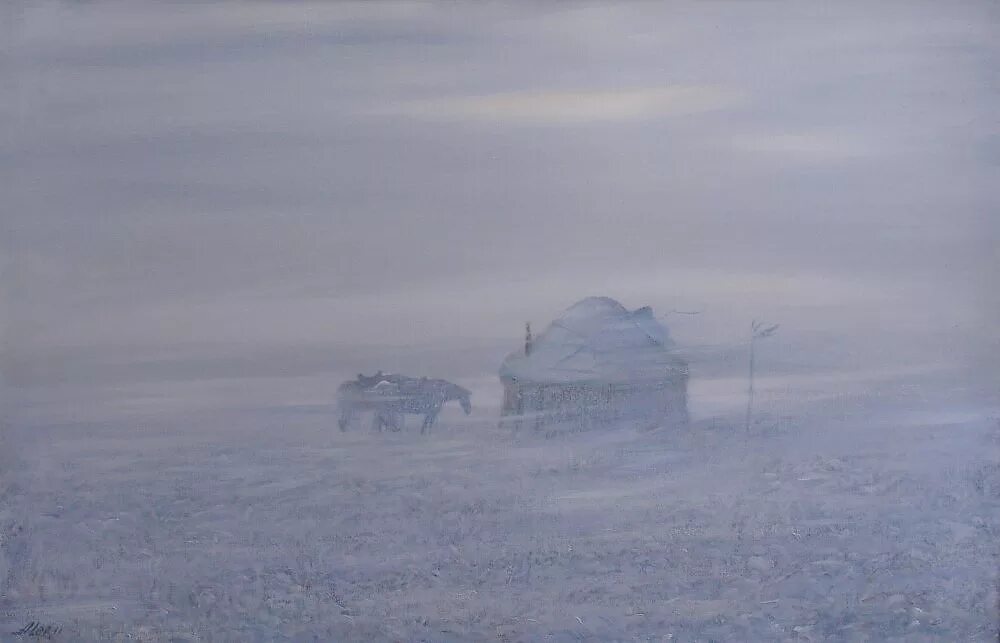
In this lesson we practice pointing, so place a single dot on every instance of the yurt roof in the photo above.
(597, 339)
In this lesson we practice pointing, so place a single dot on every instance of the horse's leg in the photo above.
(429, 418)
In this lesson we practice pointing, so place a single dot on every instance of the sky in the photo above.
(255, 180)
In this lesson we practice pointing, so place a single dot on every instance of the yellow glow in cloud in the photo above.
(558, 107)
(817, 145)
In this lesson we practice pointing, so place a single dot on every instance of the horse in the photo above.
(427, 396)
(374, 394)
(393, 396)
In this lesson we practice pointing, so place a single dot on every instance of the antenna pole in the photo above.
(753, 336)
(757, 331)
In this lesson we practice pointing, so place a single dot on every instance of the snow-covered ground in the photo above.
(870, 513)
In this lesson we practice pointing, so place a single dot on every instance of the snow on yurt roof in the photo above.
(597, 339)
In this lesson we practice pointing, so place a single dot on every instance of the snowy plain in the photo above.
(871, 513)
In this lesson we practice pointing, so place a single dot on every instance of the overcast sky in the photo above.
(289, 174)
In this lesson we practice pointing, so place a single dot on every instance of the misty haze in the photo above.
(522, 322)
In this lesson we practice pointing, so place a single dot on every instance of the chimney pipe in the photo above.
(527, 338)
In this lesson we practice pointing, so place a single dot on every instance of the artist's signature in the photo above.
(38, 630)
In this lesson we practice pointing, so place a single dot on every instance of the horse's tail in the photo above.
(347, 401)
(345, 410)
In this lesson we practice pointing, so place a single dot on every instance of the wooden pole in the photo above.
(753, 336)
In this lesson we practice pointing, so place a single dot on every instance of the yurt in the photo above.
(597, 363)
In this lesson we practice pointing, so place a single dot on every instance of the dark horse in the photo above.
(391, 397)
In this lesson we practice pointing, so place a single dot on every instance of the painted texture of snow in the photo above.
(872, 514)
(212, 213)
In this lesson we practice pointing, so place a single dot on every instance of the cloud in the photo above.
(571, 107)
(209, 175)
(803, 145)
(111, 27)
